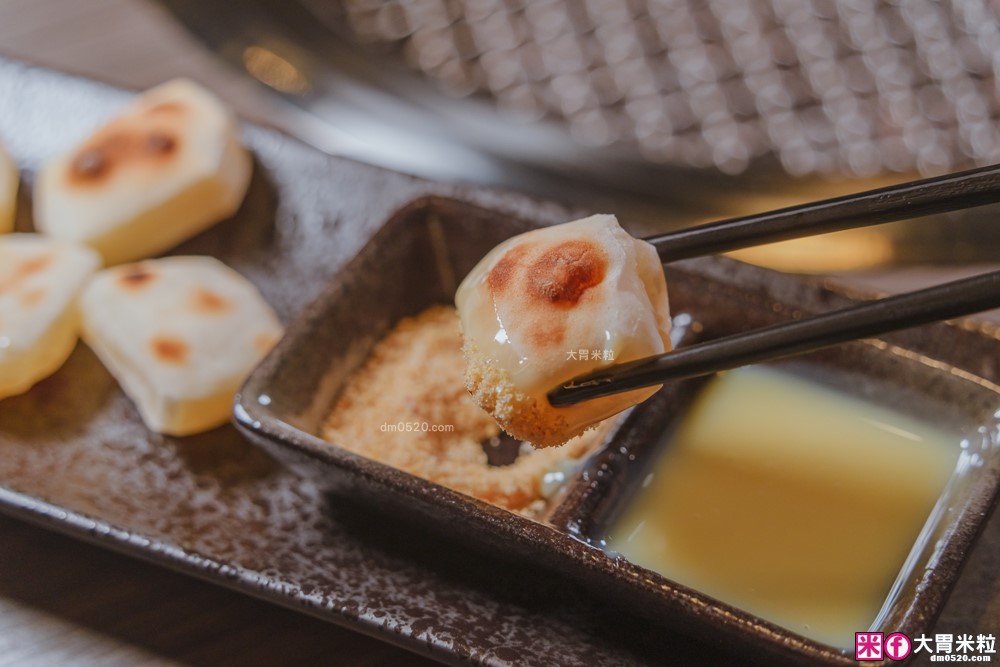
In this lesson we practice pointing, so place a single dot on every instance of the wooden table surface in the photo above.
(63, 602)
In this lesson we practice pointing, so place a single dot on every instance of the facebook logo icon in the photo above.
(897, 646)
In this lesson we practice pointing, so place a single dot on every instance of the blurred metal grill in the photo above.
(850, 87)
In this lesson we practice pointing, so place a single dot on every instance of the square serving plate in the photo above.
(416, 260)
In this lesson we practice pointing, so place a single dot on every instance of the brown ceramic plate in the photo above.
(75, 457)
(436, 241)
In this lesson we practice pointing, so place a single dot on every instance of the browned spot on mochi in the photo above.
(119, 144)
(545, 334)
(135, 277)
(503, 272)
(563, 272)
(264, 342)
(169, 350)
(24, 270)
(166, 108)
(33, 265)
(207, 301)
(32, 297)
(160, 143)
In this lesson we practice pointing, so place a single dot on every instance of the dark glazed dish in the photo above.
(74, 456)
(432, 243)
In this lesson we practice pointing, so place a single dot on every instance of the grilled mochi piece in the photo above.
(179, 334)
(8, 191)
(40, 280)
(551, 304)
(169, 166)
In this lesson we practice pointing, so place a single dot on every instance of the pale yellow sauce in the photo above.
(788, 500)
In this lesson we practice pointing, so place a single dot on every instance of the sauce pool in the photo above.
(789, 500)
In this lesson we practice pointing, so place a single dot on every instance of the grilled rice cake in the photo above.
(551, 304)
(180, 334)
(40, 280)
(168, 167)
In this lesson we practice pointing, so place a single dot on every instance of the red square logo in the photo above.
(868, 646)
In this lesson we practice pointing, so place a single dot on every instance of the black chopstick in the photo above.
(946, 301)
(940, 194)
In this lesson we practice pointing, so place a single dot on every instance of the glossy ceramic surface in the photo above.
(433, 242)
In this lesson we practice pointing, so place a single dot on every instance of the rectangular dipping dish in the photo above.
(943, 374)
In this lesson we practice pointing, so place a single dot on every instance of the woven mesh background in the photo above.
(827, 86)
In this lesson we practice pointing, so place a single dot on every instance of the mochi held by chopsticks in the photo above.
(551, 304)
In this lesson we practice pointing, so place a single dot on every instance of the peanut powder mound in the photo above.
(408, 407)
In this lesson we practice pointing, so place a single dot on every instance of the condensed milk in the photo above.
(789, 500)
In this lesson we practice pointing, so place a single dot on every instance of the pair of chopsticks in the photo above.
(942, 194)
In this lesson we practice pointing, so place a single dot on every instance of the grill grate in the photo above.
(851, 87)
